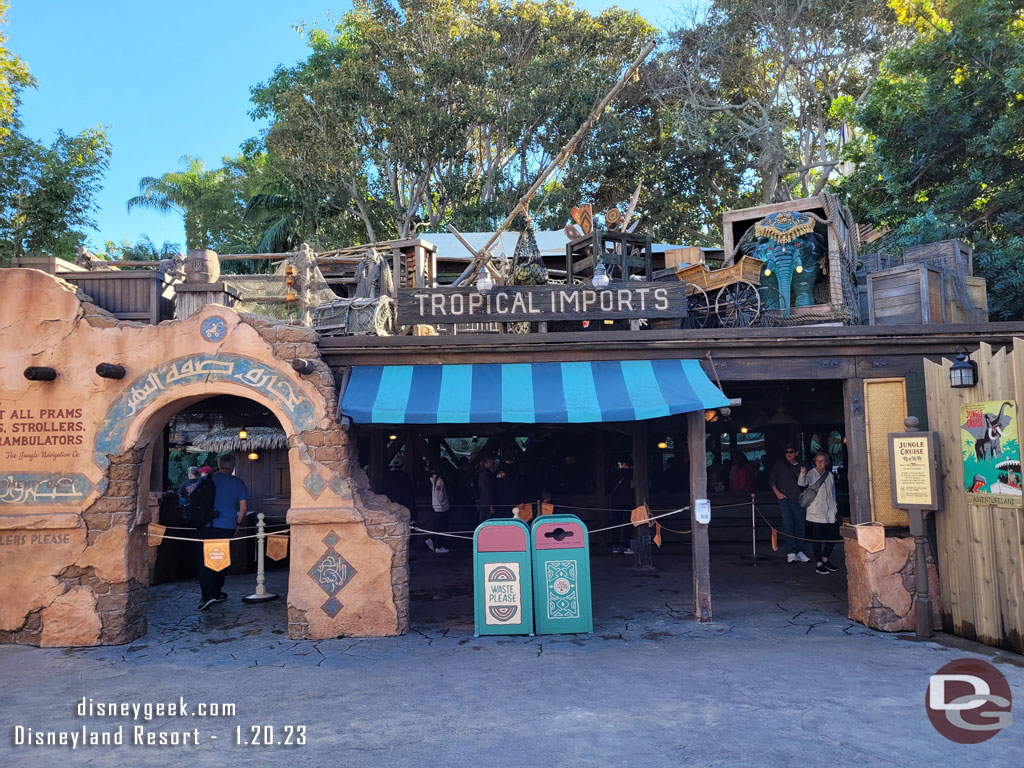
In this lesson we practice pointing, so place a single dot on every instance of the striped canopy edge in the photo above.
(528, 393)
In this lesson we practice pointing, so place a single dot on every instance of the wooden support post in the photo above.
(411, 455)
(856, 451)
(600, 479)
(644, 557)
(392, 450)
(376, 460)
(922, 599)
(701, 554)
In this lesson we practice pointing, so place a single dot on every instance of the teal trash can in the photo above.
(502, 578)
(561, 575)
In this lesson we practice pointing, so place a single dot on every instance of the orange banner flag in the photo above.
(277, 546)
(217, 554)
(546, 508)
(657, 534)
(775, 540)
(156, 534)
(524, 512)
(640, 515)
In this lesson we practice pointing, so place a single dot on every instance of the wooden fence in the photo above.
(980, 547)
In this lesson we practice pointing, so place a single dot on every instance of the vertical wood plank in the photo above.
(701, 555)
(857, 450)
(644, 557)
(938, 419)
(376, 460)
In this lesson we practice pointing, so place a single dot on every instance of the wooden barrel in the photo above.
(202, 267)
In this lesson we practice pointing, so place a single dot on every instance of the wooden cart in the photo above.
(731, 294)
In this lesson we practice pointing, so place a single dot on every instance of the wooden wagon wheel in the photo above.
(738, 305)
(698, 307)
(771, 312)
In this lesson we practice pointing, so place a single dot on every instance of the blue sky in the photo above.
(167, 80)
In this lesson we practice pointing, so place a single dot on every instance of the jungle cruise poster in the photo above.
(991, 453)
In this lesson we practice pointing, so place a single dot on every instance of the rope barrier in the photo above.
(649, 519)
(229, 538)
(792, 536)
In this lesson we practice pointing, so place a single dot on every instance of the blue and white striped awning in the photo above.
(528, 393)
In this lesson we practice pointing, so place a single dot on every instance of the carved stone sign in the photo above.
(542, 303)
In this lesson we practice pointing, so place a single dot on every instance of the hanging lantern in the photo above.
(289, 280)
(289, 270)
(254, 456)
(663, 445)
(711, 416)
(290, 296)
(242, 434)
(964, 372)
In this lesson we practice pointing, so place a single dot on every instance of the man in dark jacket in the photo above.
(783, 482)
(201, 503)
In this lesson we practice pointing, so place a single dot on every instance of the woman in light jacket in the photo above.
(822, 514)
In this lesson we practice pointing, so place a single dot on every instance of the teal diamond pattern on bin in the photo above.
(563, 601)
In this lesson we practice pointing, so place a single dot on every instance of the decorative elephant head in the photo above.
(791, 251)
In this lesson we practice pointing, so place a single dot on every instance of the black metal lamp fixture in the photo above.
(964, 372)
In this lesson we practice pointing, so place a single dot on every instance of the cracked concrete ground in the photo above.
(781, 677)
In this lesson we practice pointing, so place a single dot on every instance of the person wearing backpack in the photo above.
(229, 502)
(199, 511)
(822, 511)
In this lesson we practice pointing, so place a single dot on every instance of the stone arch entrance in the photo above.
(348, 572)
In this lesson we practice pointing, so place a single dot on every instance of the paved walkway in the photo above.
(781, 677)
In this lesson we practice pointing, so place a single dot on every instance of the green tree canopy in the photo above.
(417, 113)
(942, 150)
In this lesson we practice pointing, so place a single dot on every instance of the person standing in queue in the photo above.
(822, 514)
(230, 505)
(784, 482)
(200, 505)
(485, 500)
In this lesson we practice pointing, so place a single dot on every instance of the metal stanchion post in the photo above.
(260, 595)
(753, 557)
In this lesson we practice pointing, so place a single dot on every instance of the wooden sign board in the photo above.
(536, 303)
(914, 468)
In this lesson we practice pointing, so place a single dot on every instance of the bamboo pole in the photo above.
(481, 255)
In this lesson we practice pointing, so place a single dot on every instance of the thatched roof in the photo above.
(259, 439)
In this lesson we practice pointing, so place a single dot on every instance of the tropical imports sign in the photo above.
(913, 464)
(991, 453)
(541, 303)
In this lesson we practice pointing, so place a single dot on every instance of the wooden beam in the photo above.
(856, 451)
(644, 557)
(570, 146)
(700, 552)
(376, 470)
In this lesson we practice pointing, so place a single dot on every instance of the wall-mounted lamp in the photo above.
(743, 430)
(242, 434)
(600, 279)
(254, 456)
(964, 372)
(663, 445)
(392, 437)
(484, 283)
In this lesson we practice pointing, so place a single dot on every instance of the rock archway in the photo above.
(73, 450)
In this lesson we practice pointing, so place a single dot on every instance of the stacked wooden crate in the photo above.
(936, 284)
